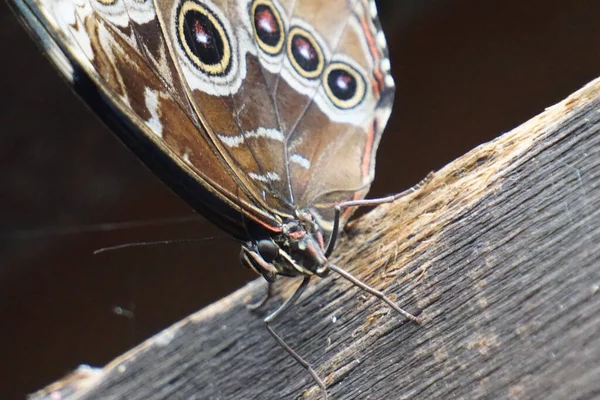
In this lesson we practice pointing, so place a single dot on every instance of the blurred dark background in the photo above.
(466, 71)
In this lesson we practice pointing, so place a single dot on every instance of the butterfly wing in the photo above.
(113, 53)
(262, 106)
(305, 84)
(340, 127)
(332, 92)
(213, 46)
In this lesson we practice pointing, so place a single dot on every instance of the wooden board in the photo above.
(499, 254)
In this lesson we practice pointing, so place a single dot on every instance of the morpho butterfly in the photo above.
(263, 115)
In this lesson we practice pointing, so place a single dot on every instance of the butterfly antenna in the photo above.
(153, 243)
(373, 291)
(51, 231)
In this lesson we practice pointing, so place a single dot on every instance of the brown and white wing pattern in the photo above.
(216, 54)
(118, 45)
(272, 106)
(335, 133)
(304, 93)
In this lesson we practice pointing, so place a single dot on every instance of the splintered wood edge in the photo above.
(422, 213)
(457, 186)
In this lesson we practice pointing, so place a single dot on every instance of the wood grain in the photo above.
(499, 254)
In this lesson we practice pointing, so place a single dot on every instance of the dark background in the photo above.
(466, 71)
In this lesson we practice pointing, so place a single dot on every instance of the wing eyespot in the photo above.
(304, 53)
(203, 38)
(267, 26)
(344, 85)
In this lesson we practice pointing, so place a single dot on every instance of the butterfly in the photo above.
(263, 115)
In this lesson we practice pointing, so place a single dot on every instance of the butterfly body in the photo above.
(263, 115)
(297, 250)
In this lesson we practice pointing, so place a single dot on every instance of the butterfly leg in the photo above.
(380, 295)
(368, 202)
(261, 302)
(336, 227)
(270, 318)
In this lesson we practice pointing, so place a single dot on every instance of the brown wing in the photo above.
(339, 131)
(287, 97)
(118, 45)
(271, 92)
(213, 47)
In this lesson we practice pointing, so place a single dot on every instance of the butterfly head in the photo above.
(298, 249)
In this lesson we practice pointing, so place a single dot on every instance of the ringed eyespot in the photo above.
(344, 85)
(304, 53)
(203, 38)
(268, 26)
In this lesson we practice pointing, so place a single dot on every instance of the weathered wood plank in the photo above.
(499, 253)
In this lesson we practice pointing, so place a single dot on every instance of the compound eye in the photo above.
(268, 250)
(344, 85)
